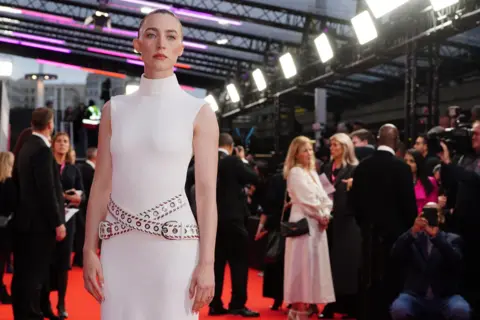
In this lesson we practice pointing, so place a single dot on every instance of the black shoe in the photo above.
(244, 312)
(217, 311)
(5, 298)
(49, 315)
(62, 313)
(276, 305)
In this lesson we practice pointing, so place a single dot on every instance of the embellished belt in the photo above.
(149, 221)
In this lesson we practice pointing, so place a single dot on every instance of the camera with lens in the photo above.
(458, 139)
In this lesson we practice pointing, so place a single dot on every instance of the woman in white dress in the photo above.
(154, 265)
(308, 276)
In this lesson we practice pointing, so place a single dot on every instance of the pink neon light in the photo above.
(8, 40)
(45, 47)
(137, 62)
(46, 16)
(113, 53)
(37, 38)
(58, 64)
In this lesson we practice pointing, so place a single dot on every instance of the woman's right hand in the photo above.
(93, 275)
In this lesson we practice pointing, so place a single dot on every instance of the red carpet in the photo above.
(81, 306)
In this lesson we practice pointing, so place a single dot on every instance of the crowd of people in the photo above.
(372, 249)
(42, 167)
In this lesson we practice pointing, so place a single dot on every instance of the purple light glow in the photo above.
(46, 16)
(42, 46)
(113, 53)
(37, 38)
(149, 4)
(205, 16)
(121, 32)
(58, 64)
(183, 12)
(8, 40)
(195, 45)
(140, 63)
(137, 62)
(34, 45)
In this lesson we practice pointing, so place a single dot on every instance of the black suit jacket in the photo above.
(364, 152)
(383, 196)
(87, 172)
(41, 202)
(440, 270)
(232, 177)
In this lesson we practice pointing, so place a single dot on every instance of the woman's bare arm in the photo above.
(102, 183)
(205, 148)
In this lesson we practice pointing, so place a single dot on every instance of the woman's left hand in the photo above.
(75, 199)
(202, 286)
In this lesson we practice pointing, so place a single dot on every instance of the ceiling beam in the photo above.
(130, 20)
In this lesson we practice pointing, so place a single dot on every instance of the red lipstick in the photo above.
(160, 56)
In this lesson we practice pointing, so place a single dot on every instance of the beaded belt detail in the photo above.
(149, 221)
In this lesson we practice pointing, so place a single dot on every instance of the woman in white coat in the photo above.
(308, 277)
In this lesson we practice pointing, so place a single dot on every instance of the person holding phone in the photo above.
(433, 262)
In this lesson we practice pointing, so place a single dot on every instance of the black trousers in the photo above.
(32, 257)
(231, 247)
(79, 240)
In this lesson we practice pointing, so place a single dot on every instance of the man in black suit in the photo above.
(384, 202)
(232, 235)
(433, 261)
(87, 171)
(40, 218)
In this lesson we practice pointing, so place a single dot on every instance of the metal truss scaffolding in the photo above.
(357, 65)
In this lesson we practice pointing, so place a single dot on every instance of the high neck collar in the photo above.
(152, 87)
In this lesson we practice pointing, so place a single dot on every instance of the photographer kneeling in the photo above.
(461, 180)
(433, 260)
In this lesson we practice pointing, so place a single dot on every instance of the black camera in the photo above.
(458, 139)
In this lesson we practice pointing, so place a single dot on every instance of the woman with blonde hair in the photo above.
(308, 278)
(344, 237)
(72, 184)
(8, 201)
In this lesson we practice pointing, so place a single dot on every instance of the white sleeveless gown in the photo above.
(146, 276)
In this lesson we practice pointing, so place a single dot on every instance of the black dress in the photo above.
(344, 240)
(71, 179)
(273, 272)
(8, 203)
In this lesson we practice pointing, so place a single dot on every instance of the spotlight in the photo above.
(442, 4)
(233, 93)
(324, 48)
(100, 20)
(288, 65)
(364, 27)
(380, 8)
(40, 76)
(212, 102)
(259, 79)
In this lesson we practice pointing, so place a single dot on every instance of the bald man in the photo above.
(383, 199)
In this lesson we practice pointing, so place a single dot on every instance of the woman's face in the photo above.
(336, 149)
(411, 162)
(305, 154)
(62, 144)
(160, 42)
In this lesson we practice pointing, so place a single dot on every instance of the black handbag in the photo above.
(293, 229)
(275, 247)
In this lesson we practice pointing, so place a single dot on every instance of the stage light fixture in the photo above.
(324, 48)
(364, 27)
(288, 65)
(212, 102)
(131, 88)
(259, 79)
(100, 20)
(442, 4)
(6, 67)
(233, 93)
(380, 8)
